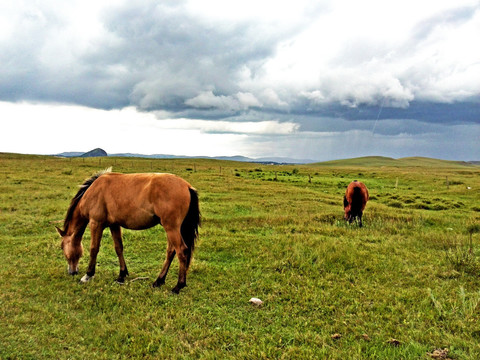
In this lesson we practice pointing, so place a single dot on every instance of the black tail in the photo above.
(357, 200)
(357, 192)
(190, 224)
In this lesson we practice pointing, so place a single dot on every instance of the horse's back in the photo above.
(357, 193)
(136, 201)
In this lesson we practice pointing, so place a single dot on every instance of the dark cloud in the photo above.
(426, 111)
(151, 55)
(169, 56)
(159, 56)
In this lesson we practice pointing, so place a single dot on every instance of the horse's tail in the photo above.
(189, 228)
(357, 198)
(360, 197)
(357, 192)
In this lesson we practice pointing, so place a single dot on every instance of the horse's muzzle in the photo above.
(72, 271)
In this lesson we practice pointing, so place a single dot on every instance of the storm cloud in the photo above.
(325, 67)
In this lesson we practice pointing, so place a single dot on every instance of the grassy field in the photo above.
(405, 285)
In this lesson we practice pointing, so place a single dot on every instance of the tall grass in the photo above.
(272, 232)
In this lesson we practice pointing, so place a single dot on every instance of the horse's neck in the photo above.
(77, 225)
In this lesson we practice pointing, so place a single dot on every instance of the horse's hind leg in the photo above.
(166, 265)
(117, 239)
(178, 247)
(181, 250)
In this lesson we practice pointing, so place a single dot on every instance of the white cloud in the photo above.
(271, 127)
(75, 128)
(225, 55)
(364, 51)
(270, 11)
(235, 102)
(237, 71)
(270, 98)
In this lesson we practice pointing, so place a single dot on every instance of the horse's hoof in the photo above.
(86, 278)
(123, 273)
(120, 281)
(178, 287)
(157, 284)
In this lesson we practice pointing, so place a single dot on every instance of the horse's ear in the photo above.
(60, 231)
(345, 202)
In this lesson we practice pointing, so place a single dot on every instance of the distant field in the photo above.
(403, 286)
(370, 161)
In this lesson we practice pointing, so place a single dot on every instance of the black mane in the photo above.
(76, 199)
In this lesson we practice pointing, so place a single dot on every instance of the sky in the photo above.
(304, 79)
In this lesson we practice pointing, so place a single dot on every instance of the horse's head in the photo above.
(348, 210)
(73, 251)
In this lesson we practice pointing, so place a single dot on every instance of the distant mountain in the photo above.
(361, 161)
(152, 156)
(92, 153)
(284, 160)
(95, 153)
(273, 160)
(265, 160)
(70, 154)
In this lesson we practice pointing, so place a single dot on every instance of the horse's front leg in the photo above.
(96, 231)
(117, 239)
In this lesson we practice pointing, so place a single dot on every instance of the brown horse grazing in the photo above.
(132, 201)
(354, 201)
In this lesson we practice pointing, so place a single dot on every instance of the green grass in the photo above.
(272, 232)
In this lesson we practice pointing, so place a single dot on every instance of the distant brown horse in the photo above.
(132, 201)
(354, 201)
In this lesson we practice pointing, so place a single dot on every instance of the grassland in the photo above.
(404, 285)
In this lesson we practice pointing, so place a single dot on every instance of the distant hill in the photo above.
(362, 161)
(92, 153)
(373, 161)
(273, 160)
(70, 154)
(378, 161)
(95, 153)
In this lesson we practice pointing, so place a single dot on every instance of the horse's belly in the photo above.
(136, 221)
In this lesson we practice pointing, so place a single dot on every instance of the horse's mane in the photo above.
(76, 199)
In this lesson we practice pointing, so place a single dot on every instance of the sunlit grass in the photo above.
(272, 232)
